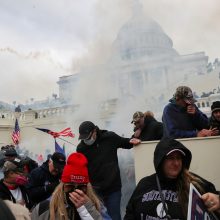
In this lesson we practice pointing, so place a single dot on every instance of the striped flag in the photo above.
(16, 133)
(66, 132)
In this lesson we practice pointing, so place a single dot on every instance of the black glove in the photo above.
(51, 187)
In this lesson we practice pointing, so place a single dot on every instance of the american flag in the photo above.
(66, 132)
(16, 133)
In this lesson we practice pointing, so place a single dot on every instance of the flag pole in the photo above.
(66, 141)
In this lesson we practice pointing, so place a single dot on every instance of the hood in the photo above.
(45, 166)
(165, 146)
(172, 100)
(149, 119)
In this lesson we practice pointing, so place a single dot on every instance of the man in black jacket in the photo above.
(44, 179)
(100, 148)
(12, 186)
(146, 127)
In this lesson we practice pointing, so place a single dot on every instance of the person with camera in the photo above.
(44, 179)
(74, 197)
(182, 118)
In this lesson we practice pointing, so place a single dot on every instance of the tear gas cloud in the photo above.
(75, 34)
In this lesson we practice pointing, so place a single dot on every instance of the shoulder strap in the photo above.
(162, 198)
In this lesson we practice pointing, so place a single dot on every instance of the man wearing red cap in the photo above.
(100, 147)
(74, 197)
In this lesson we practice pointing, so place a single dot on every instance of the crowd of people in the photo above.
(87, 184)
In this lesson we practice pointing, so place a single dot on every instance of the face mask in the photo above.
(89, 141)
(69, 202)
(21, 180)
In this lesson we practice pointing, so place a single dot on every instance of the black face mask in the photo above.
(82, 187)
(68, 201)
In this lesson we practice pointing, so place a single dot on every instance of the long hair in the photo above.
(183, 185)
(58, 204)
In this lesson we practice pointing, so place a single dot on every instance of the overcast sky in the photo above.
(41, 40)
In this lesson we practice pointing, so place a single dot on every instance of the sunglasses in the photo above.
(73, 187)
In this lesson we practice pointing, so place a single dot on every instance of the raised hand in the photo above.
(78, 198)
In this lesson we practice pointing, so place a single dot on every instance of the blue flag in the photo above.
(58, 148)
(64, 148)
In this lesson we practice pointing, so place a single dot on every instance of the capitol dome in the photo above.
(141, 36)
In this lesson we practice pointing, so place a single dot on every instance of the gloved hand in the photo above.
(51, 187)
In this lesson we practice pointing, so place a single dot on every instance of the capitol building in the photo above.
(141, 73)
(143, 65)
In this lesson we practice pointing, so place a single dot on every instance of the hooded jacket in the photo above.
(102, 158)
(145, 202)
(179, 124)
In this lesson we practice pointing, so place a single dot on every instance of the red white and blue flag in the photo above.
(16, 133)
(66, 132)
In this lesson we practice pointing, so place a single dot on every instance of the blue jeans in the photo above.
(113, 204)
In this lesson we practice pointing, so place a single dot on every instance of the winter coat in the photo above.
(102, 158)
(20, 212)
(41, 183)
(5, 194)
(213, 123)
(85, 212)
(145, 202)
(179, 124)
(153, 130)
